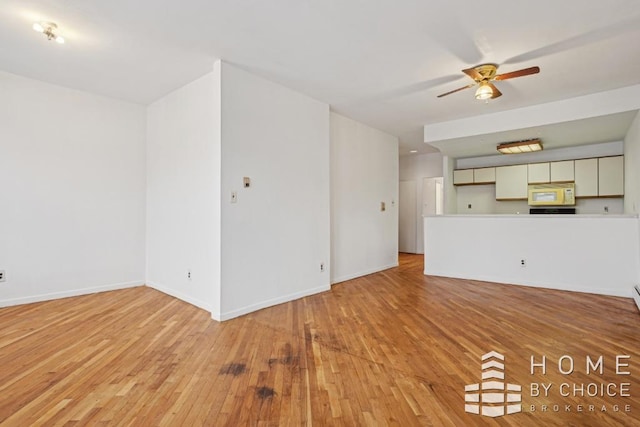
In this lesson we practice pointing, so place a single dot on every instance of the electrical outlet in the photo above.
(188, 274)
(3, 276)
(606, 209)
(321, 266)
(523, 262)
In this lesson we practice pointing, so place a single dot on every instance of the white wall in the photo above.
(183, 193)
(450, 190)
(482, 199)
(277, 234)
(416, 168)
(364, 173)
(72, 180)
(419, 166)
(597, 254)
(632, 168)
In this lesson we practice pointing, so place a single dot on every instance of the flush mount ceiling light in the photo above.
(49, 29)
(528, 146)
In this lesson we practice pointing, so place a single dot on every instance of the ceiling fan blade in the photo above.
(519, 73)
(457, 90)
(496, 92)
(473, 73)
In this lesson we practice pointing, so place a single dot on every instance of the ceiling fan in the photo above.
(484, 74)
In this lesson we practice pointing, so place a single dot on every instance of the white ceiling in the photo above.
(380, 62)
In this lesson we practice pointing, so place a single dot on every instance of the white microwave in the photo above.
(552, 194)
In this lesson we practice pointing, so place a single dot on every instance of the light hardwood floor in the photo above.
(392, 348)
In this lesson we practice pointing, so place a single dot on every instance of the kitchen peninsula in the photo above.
(586, 253)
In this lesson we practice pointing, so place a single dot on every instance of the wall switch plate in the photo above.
(383, 207)
(234, 197)
(246, 182)
(3, 276)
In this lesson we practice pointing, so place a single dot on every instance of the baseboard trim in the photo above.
(622, 291)
(71, 293)
(271, 302)
(179, 295)
(352, 276)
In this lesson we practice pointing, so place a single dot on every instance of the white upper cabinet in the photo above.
(463, 176)
(511, 182)
(562, 171)
(538, 173)
(594, 177)
(586, 177)
(611, 176)
(484, 176)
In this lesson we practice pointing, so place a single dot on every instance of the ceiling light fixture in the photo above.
(49, 29)
(527, 146)
(413, 151)
(484, 91)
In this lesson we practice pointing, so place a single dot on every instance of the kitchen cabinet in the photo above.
(511, 182)
(562, 171)
(594, 177)
(484, 176)
(611, 176)
(474, 176)
(462, 176)
(538, 173)
(586, 177)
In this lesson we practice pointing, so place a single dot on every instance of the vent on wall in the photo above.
(636, 295)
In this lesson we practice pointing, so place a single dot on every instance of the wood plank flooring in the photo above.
(392, 348)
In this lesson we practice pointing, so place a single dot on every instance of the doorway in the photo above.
(417, 199)
(407, 217)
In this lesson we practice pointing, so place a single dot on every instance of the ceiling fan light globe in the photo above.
(484, 92)
(38, 27)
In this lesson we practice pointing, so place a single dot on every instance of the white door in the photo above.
(432, 204)
(432, 196)
(407, 217)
